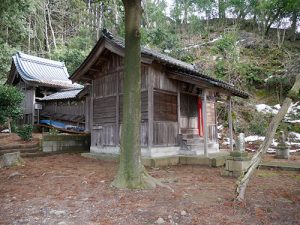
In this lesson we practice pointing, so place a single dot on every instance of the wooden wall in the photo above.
(107, 103)
(165, 115)
(159, 94)
(211, 114)
(73, 107)
(188, 111)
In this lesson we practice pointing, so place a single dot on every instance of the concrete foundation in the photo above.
(159, 151)
(214, 159)
(65, 143)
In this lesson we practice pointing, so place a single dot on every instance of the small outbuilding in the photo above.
(67, 107)
(178, 103)
(37, 77)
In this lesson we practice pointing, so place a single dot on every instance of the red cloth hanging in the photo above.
(200, 118)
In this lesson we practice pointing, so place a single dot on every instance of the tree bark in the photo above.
(131, 173)
(50, 24)
(256, 159)
(47, 47)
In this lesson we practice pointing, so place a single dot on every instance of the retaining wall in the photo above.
(66, 142)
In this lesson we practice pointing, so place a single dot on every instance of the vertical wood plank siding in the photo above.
(161, 81)
(67, 110)
(165, 106)
(165, 133)
(165, 124)
(108, 84)
(144, 106)
(211, 112)
(188, 111)
(104, 110)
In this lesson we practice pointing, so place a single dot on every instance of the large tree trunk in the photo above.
(131, 173)
(256, 159)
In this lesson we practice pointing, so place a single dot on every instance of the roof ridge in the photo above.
(180, 62)
(40, 60)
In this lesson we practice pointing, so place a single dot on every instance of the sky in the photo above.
(169, 2)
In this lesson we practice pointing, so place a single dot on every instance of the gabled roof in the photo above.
(63, 95)
(147, 54)
(38, 71)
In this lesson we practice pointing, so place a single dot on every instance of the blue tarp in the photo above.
(61, 125)
(53, 123)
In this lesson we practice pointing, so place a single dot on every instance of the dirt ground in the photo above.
(7, 139)
(69, 189)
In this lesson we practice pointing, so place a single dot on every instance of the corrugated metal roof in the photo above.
(66, 94)
(41, 71)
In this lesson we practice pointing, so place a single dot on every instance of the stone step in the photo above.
(194, 141)
(22, 150)
(195, 146)
(19, 146)
(190, 136)
(35, 154)
(189, 131)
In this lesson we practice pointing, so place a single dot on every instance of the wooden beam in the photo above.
(230, 123)
(178, 107)
(117, 110)
(150, 108)
(189, 79)
(92, 107)
(205, 127)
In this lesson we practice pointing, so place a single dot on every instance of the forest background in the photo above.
(252, 44)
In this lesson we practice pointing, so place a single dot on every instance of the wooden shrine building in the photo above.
(178, 103)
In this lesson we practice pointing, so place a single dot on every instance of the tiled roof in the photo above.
(171, 63)
(61, 95)
(179, 65)
(42, 72)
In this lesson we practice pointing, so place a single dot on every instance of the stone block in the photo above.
(232, 165)
(242, 158)
(47, 149)
(194, 160)
(10, 159)
(218, 162)
(282, 153)
(166, 161)
(238, 154)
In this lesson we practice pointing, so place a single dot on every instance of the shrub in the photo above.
(25, 132)
(10, 100)
(53, 131)
(259, 124)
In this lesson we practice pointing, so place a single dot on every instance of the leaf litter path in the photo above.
(69, 189)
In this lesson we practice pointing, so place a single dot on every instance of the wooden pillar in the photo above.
(86, 113)
(150, 108)
(178, 107)
(216, 120)
(230, 123)
(33, 105)
(91, 93)
(117, 138)
(205, 127)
